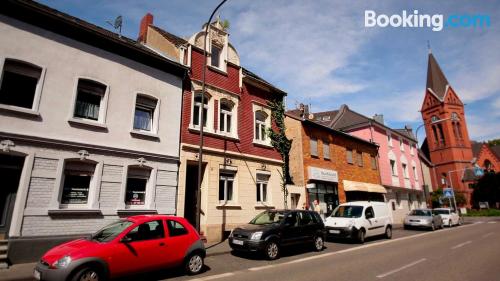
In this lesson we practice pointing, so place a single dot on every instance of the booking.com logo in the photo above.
(415, 20)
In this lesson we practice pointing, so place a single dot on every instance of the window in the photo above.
(313, 143)
(176, 228)
(198, 108)
(144, 115)
(373, 161)
(389, 138)
(137, 182)
(393, 167)
(147, 231)
(411, 149)
(349, 156)
(77, 181)
(305, 218)
(326, 150)
(443, 179)
(405, 170)
(434, 133)
(226, 181)
(359, 156)
(401, 145)
(215, 56)
(369, 213)
(262, 181)
(88, 99)
(19, 83)
(225, 116)
(415, 172)
(260, 126)
(441, 134)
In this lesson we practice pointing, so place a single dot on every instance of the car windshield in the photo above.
(347, 212)
(421, 213)
(268, 217)
(441, 212)
(110, 231)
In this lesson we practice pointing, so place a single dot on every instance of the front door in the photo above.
(190, 199)
(10, 174)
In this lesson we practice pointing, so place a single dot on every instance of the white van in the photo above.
(358, 220)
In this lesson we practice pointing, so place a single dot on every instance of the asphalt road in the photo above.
(469, 252)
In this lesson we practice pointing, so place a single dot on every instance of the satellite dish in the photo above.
(311, 116)
(117, 24)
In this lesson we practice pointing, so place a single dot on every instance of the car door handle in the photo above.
(162, 244)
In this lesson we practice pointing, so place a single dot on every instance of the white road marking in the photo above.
(460, 245)
(211, 277)
(401, 268)
(487, 234)
(492, 222)
(261, 267)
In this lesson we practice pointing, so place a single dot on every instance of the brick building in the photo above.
(241, 175)
(486, 156)
(447, 141)
(330, 166)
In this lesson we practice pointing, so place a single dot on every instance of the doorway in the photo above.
(11, 168)
(294, 200)
(190, 199)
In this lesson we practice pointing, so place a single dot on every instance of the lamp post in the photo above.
(202, 121)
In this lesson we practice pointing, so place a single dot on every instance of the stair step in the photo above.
(3, 257)
(3, 248)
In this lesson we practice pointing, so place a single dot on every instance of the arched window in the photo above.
(197, 108)
(442, 140)
(487, 165)
(226, 116)
(434, 119)
(434, 131)
(260, 125)
(459, 130)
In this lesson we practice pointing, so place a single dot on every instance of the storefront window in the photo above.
(327, 196)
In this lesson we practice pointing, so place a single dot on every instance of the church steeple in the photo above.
(436, 81)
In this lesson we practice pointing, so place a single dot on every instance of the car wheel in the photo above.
(450, 224)
(272, 250)
(388, 232)
(460, 221)
(194, 264)
(361, 236)
(87, 274)
(318, 243)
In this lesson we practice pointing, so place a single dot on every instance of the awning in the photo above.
(363, 186)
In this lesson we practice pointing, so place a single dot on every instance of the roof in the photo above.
(171, 37)
(345, 119)
(424, 157)
(325, 117)
(496, 150)
(258, 79)
(476, 148)
(77, 29)
(436, 81)
(292, 114)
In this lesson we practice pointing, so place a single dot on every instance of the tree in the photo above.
(436, 197)
(281, 143)
(494, 142)
(487, 189)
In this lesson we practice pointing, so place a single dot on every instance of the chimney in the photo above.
(304, 110)
(143, 29)
(379, 118)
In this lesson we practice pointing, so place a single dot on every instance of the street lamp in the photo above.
(202, 121)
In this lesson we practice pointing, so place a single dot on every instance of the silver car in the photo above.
(423, 218)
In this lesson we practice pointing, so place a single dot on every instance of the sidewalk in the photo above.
(24, 271)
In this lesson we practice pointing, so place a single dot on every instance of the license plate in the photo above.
(237, 242)
(37, 274)
(334, 231)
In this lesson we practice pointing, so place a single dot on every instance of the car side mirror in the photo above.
(126, 239)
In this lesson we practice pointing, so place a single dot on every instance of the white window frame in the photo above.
(155, 120)
(94, 186)
(260, 187)
(352, 156)
(404, 167)
(233, 179)
(210, 124)
(415, 170)
(389, 138)
(38, 91)
(411, 149)
(394, 168)
(221, 50)
(150, 187)
(225, 113)
(267, 123)
(103, 106)
(401, 144)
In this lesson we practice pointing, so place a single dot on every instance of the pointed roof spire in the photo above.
(436, 80)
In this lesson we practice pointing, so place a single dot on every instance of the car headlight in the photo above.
(62, 262)
(256, 235)
(350, 224)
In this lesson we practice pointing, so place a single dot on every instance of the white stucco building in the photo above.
(89, 128)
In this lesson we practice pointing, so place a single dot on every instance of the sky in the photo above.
(321, 53)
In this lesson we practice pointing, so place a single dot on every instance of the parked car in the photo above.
(132, 245)
(423, 218)
(358, 220)
(271, 230)
(449, 217)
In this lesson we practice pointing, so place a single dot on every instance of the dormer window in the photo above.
(215, 56)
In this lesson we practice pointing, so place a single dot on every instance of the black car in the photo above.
(272, 229)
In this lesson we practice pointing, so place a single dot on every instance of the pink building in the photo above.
(399, 164)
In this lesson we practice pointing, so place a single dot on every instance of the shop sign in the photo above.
(323, 174)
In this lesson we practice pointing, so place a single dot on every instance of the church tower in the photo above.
(448, 140)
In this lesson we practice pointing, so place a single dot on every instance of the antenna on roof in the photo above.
(429, 46)
(117, 25)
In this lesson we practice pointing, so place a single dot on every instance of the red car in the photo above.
(127, 246)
